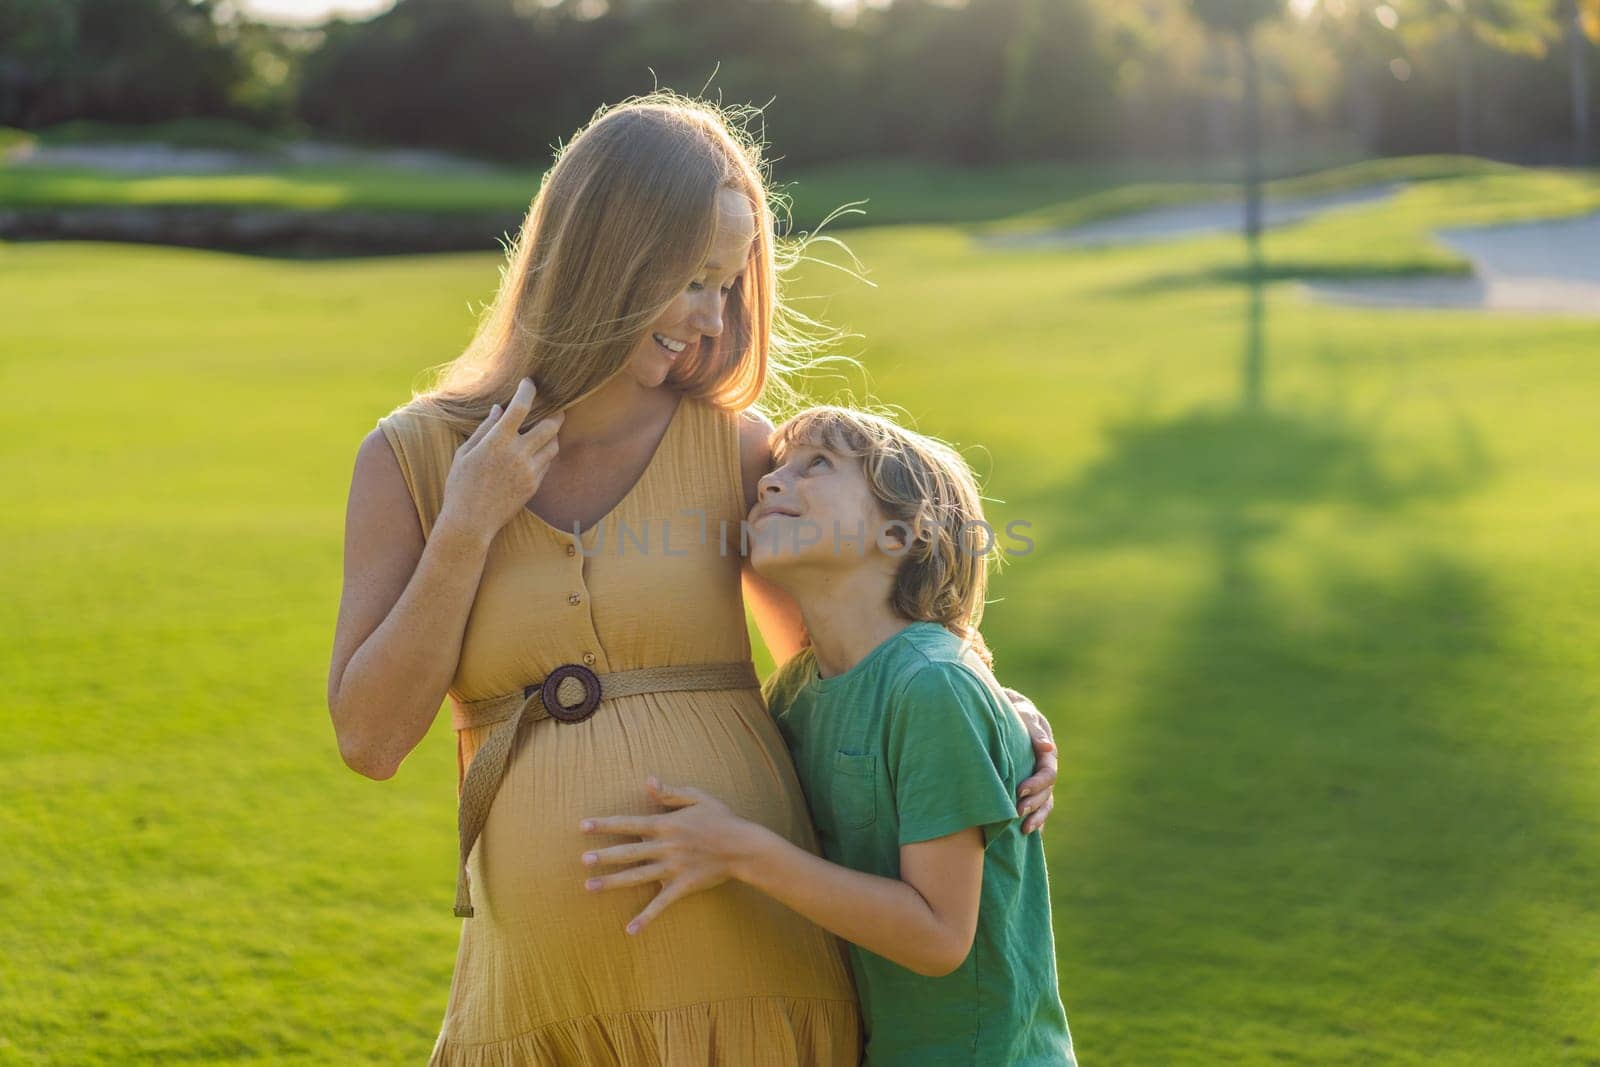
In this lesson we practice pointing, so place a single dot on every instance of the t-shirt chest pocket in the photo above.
(855, 789)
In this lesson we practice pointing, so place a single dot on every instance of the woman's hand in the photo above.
(697, 847)
(497, 470)
(1036, 794)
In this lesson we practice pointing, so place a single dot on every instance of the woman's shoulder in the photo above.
(754, 431)
(752, 425)
(417, 419)
(726, 446)
(424, 443)
(422, 432)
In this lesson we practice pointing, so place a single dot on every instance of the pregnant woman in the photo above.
(550, 537)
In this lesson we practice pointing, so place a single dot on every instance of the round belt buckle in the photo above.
(591, 697)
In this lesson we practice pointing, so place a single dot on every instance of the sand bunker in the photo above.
(1551, 266)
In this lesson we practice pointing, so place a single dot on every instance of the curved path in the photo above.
(1550, 266)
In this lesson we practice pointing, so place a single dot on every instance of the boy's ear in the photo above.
(920, 528)
(893, 530)
(896, 531)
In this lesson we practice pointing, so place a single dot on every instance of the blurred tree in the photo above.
(35, 56)
(1158, 57)
(1055, 73)
(270, 59)
(967, 52)
(902, 95)
(1240, 19)
(790, 52)
(1363, 35)
(967, 81)
(119, 60)
(936, 82)
(507, 78)
(470, 75)
(1582, 21)
(1520, 26)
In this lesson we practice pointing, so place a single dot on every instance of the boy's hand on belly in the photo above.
(696, 847)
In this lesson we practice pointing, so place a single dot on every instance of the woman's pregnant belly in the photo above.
(563, 947)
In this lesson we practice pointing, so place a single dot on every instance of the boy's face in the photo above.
(815, 510)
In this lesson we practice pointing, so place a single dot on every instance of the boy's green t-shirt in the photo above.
(908, 745)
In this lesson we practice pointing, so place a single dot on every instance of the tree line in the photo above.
(974, 82)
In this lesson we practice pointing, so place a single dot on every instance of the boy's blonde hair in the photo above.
(926, 484)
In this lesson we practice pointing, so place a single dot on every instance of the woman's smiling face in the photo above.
(815, 508)
(695, 317)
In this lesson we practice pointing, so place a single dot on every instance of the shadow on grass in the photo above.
(1244, 466)
(1279, 270)
(1215, 475)
(1307, 828)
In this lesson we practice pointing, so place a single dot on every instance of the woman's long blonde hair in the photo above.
(620, 225)
(927, 485)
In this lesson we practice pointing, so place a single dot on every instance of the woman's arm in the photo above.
(402, 615)
(924, 920)
(1036, 793)
(776, 614)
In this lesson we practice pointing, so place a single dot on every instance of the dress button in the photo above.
(574, 598)
(588, 658)
(571, 551)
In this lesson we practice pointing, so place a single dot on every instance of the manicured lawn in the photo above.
(881, 191)
(310, 187)
(1313, 602)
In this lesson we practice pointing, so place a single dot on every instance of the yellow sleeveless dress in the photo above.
(544, 971)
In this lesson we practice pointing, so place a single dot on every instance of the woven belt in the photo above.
(548, 700)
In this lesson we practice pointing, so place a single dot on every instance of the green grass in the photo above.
(1314, 604)
(11, 138)
(887, 191)
(1108, 198)
(894, 191)
(309, 187)
(183, 133)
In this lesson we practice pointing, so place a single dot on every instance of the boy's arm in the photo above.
(924, 920)
(951, 799)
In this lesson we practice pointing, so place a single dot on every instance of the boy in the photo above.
(908, 755)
